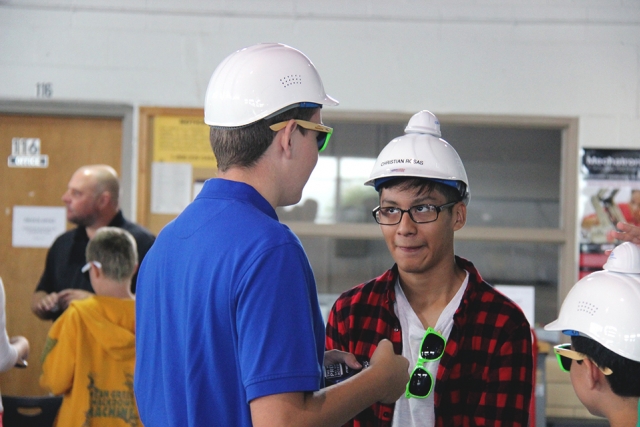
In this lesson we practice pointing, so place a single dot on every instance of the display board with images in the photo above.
(609, 193)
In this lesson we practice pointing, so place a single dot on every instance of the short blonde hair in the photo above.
(116, 250)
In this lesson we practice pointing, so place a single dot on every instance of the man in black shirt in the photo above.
(92, 202)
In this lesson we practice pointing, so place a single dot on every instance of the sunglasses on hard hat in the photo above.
(421, 381)
(565, 355)
(324, 132)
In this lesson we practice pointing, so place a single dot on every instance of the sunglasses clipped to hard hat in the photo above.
(565, 355)
(324, 132)
(421, 381)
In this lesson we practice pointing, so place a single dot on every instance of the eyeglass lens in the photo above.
(565, 363)
(420, 383)
(322, 140)
(432, 347)
(426, 213)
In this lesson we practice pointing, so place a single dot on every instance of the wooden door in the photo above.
(70, 142)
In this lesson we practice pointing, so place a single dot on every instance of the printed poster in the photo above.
(609, 193)
(182, 140)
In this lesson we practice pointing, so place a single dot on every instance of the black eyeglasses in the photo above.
(565, 355)
(421, 381)
(420, 214)
(324, 132)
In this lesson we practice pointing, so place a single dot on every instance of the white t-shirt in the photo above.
(420, 412)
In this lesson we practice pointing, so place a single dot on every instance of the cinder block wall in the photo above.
(517, 57)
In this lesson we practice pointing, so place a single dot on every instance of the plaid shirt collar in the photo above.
(389, 279)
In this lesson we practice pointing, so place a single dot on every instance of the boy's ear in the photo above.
(594, 377)
(459, 213)
(96, 271)
(283, 137)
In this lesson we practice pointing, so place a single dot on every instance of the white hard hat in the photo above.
(604, 305)
(421, 153)
(257, 81)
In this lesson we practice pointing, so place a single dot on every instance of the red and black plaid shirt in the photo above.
(485, 376)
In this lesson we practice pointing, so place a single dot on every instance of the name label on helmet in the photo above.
(402, 161)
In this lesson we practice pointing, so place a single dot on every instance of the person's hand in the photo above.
(337, 356)
(626, 233)
(47, 304)
(66, 296)
(393, 368)
(22, 346)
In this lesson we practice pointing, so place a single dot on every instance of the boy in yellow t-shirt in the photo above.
(89, 356)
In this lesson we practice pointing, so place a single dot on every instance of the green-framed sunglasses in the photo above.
(421, 381)
(324, 132)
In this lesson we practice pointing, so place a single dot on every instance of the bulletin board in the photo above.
(174, 160)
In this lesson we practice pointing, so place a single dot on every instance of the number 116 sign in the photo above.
(25, 153)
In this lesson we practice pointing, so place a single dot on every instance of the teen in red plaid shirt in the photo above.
(484, 376)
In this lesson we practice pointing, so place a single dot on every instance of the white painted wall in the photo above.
(523, 57)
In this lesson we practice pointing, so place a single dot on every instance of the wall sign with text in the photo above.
(25, 153)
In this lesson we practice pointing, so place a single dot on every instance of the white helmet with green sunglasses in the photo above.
(259, 81)
(605, 306)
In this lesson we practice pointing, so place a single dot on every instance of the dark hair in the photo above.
(624, 379)
(423, 185)
(243, 146)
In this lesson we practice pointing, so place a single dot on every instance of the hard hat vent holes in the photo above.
(586, 307)
(293, 79)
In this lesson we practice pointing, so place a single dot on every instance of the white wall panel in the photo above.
(516, 57)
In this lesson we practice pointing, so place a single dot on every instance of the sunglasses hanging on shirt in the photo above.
(421, 381)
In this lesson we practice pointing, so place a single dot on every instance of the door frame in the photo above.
(125, 112)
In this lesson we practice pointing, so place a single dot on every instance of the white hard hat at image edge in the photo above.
(604, 305)
(257, 81)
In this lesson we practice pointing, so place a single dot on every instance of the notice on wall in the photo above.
(182, 140)
(37, 226)
(171, 185)
(609, 193)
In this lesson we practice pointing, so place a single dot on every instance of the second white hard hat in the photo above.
(604, 305)
(258, 81)
(421, 153)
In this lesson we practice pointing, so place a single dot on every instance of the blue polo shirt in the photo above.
(226, 312)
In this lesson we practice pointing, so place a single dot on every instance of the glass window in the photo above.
(513, 263)
(514, 174)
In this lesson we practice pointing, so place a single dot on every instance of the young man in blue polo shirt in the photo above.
(229, 330)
